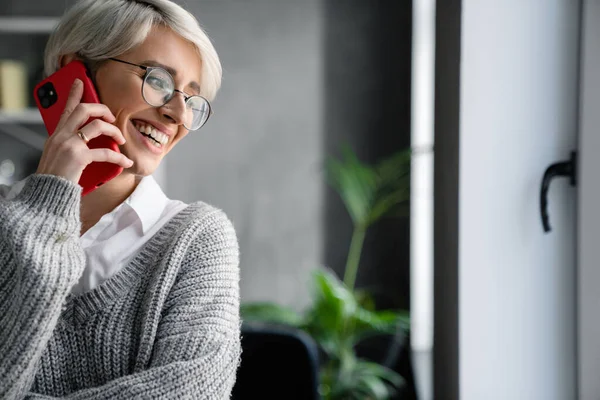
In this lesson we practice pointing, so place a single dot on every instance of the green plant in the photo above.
(339, 316)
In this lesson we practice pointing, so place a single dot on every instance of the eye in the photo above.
(157, 83)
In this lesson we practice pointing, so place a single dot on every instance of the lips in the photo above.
(146, 141)
(151, 131)
(156, 125)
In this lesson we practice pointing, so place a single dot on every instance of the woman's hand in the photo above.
(65, 153)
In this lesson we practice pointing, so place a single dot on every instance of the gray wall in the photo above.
(301, 78)
(259, 156)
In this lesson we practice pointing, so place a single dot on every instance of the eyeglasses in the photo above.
(158, 88)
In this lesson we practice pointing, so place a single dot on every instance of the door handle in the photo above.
(566, 169)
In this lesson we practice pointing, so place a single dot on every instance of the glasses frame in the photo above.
(147, 70)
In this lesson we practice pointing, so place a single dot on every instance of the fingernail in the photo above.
(78, 82)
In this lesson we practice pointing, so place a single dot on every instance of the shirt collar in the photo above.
(148, 201)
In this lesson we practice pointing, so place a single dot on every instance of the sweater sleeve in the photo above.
(197, 347)
(40, 259)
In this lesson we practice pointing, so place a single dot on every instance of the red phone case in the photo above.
(97, 173)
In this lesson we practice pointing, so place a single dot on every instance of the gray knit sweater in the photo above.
(166, 326)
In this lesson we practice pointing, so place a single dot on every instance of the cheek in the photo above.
(120, 95)
(181, 133)
(124, 100)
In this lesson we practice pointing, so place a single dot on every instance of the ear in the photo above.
(67, 58)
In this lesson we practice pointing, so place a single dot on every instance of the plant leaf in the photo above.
(368, 380)
(355, 183)
(396, 166)
(333, 308)
(367, 368)
(393, 188)
(370, 193)
(376, 387)
(370, 323)
(386, 203)
(380, 321)
(364, 299)
(270, 313)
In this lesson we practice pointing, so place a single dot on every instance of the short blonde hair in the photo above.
(97, 30)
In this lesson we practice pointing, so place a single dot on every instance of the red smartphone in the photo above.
(51, 98)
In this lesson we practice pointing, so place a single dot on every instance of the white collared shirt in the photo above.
(117, 237)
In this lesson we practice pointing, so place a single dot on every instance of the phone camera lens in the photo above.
(47, 95)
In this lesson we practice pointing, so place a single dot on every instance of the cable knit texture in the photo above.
(166, 326)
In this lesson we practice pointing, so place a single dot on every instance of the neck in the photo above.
(106, 198)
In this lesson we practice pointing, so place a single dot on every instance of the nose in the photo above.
(175, 109)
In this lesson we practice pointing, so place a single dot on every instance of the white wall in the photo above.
(518, 113)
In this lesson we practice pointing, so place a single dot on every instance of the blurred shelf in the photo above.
(11, 123)
(27, 116)
(27, 24)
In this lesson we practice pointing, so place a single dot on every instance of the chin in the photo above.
(141, 168)
(143, 164)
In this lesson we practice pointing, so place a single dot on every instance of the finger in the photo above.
(99, 127)
(72, 102)
(107, 155)
(84, 111)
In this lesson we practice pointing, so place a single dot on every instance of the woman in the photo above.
(121, 294)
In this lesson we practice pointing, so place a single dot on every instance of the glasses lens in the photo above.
(158, 87)
(198, 111)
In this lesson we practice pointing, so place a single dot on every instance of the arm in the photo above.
(40, 259)
(197, 347)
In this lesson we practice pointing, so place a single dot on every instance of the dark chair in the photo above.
(277, 363)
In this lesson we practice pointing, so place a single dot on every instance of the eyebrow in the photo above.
(151, 63)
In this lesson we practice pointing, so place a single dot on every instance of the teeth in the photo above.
(151, 131)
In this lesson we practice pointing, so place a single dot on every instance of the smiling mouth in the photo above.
(143, 129)
(150, 137)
